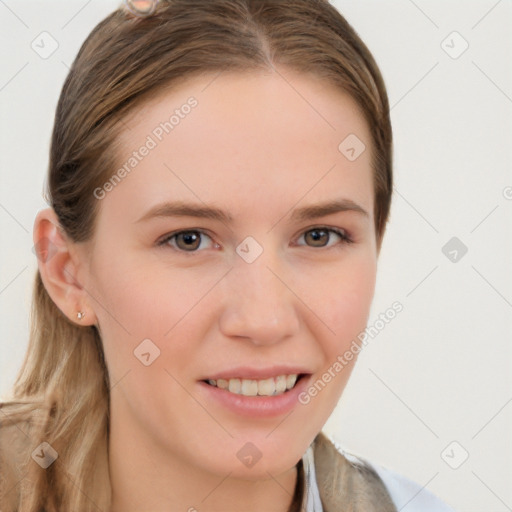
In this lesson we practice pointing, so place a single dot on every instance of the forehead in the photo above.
(247, 136)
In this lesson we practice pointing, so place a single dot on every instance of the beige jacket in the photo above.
(345, 486)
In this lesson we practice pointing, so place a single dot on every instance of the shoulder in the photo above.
(345, 484)
(14, 449)
(407, 495)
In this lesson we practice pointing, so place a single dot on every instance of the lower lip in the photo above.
(256, 406)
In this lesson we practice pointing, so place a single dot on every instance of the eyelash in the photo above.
(345, 238)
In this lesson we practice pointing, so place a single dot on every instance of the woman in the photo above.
(219, 185)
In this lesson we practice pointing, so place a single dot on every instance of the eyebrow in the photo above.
(182, 209)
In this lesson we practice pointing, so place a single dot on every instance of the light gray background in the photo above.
(441, 370)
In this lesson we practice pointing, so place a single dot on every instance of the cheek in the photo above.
(139, 301)
(139, 304)
(343, 304)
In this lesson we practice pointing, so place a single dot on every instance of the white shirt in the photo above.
(408, 496)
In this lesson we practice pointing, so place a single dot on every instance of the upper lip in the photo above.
(248, 372)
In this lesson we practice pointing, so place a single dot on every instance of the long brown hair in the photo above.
(61, 394)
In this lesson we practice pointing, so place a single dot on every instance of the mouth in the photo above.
(273, 386)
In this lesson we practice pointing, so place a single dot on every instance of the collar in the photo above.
(311, 496)
(334, 481)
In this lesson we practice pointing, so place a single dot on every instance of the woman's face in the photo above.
(258, 285)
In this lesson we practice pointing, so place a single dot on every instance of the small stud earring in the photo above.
(80, 315)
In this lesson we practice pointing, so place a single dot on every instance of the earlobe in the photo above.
(58, 265)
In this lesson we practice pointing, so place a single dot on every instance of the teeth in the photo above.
(235, 386)
(290, 381)
(251, 387)
(281, 384)
(266, 387)
(221, 383)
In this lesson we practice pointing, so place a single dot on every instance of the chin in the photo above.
(258, 455)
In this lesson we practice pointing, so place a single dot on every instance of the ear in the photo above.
(58, 264)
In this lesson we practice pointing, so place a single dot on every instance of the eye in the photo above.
(187, 241)
(321, 236)
(191, 240)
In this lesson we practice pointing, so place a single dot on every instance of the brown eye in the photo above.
(323, 236)
(187, 241)
(317, 237)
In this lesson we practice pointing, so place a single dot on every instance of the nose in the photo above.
(259, 305)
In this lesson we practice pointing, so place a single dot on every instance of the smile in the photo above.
(251, 387)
